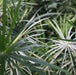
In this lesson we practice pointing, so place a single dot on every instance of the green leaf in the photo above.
(29, 65)
(39, 62)
(13, 20)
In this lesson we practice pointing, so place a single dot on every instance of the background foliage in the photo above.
(37, 37)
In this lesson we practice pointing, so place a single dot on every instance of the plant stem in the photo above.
(2, 61)
(4, 23)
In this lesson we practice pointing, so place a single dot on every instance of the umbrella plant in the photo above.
(13, 48)
(63, 48)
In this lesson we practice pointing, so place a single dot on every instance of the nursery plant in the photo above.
(63, 47)
(13, 48)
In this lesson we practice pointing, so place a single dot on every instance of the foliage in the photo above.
(14, 45)
(24, 48)
(62, 50)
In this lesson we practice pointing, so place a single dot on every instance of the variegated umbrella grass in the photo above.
(13, 57)
(62, 50)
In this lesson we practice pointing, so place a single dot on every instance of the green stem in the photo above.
(2, 61)
(4, 23)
